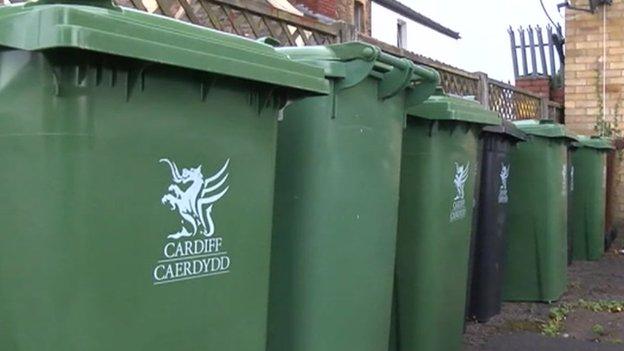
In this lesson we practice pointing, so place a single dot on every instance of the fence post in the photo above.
(484, 89)
(544, 108)
(346, 32)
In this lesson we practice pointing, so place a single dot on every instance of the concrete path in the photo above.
(536, 342)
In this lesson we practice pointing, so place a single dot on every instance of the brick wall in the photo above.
(322, 7)
(345, 12)
(539, 85)
(339, 9)
(585, 52)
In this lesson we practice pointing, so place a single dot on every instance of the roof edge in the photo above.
(401, 9)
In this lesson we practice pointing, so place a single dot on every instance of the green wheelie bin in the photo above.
(137, 199)
(588, 197)
(336, 205)
(439, 175)
(537, 244)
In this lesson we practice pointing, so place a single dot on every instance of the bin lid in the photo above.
(507, 128)
(595, 142)
(350, 63)
(545, 128)
(100, 26)
(443, 107)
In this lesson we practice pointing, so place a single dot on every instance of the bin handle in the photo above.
(424, 73)
(427, 74)
(396, 79)
(424, 83)
(108, 4)
(271, 41)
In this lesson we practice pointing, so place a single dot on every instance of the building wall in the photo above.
(342, 10)
(345, 12)
(587, 50)
(539, 85)
(322, 7)
(419, 37)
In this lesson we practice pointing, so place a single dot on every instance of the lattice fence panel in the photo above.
(512, 104)
(456, 84)
(235, 19)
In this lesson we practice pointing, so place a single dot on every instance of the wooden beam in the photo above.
(264, 9)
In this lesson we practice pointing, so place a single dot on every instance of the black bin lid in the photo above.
(508, 129)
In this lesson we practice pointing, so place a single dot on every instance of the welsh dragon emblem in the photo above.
(504, 175)
(193, 196)
(461, 175)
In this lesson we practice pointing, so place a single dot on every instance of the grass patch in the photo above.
(599, 330)
(557, 315)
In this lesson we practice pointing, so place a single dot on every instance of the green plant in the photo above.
(607, 125)
(610, 306)
(557, 79)
(557, 315)
(599, 330)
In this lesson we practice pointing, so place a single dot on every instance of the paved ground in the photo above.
(534, 342)
(520, 325)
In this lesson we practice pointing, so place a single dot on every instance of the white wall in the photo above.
(384, 24)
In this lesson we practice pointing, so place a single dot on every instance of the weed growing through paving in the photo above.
(602, 306)
(555, 320)
(598, 330)
(557, 316)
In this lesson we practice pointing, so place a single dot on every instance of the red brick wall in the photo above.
(342, 10)
(558, 95)
(536, 85)
(322, 7)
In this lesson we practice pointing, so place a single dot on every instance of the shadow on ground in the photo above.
(591, 284)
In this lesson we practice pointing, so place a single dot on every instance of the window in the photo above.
(358, 16)
(401, 34)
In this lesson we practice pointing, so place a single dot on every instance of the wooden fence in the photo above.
(252, 19)
(510, 102)
(256, 19)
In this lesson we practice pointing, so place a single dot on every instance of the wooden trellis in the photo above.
(509, 102)
(512, 104)
(251, 19)
(459, 84)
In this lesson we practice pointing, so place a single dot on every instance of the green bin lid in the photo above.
(506, 128)
(350, 63)
(100, 26)
(595, 142)
(443, 107)
(545, 128)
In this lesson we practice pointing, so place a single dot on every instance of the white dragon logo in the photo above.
(461, 175)
(504, 174)
(194, 204)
